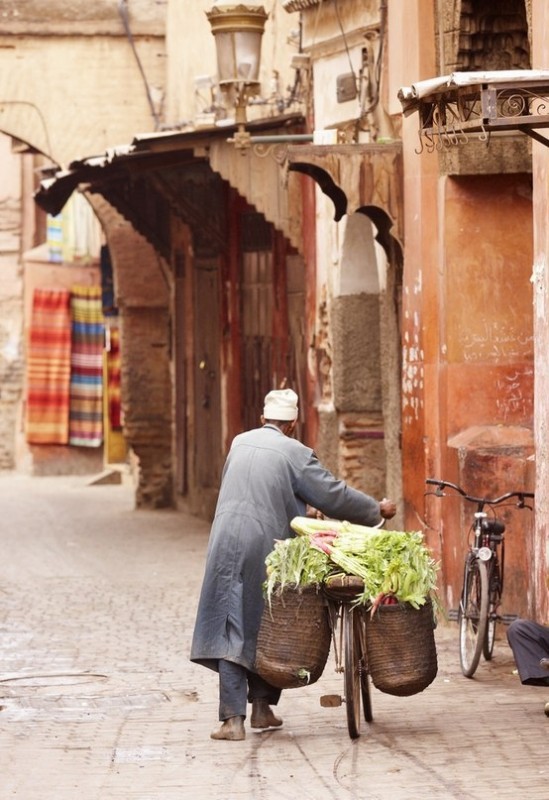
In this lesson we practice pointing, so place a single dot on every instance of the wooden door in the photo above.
(207, 395)
(272, 314)
(181, 404)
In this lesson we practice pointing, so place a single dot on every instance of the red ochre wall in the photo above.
(488, 301)
(481, 389)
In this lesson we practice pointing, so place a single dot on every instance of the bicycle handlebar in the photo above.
(440, 484)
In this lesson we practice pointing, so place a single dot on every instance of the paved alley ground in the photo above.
(99, 701)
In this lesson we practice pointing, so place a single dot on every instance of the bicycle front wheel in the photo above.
(473, 614)
(351, 671)
(359, 624)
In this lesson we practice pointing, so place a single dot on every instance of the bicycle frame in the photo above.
(482, 588)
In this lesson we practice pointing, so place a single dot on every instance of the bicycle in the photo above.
(482, 587)
(348, 625)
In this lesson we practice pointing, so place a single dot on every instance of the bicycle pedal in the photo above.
(453, 614)
(331, 700)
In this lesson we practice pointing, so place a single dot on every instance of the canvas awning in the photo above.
(453, 106)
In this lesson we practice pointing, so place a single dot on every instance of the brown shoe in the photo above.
(262, 716)
(232, 730)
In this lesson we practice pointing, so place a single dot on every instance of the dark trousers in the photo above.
(529, 642)
(238, 686)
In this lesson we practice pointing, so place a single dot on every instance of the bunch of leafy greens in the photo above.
(389, 562)
(393, 563)
(294, 563)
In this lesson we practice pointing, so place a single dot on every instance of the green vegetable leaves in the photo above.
(293, 562)
(391, 562)
(395, 563)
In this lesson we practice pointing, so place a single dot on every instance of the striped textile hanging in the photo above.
(86, 383)
(48, 368)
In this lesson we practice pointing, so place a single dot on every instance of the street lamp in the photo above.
(237, 29)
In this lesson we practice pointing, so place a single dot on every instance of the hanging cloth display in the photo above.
(86, 380)
(48, 368)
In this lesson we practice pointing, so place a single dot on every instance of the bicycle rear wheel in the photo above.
(494, 598)
(473, 614)
(352, 670)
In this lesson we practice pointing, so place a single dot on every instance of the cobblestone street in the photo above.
(99, 700)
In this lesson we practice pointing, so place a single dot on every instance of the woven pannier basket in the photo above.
(400, 643)
(294, 638)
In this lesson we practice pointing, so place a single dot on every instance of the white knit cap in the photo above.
(281, 404)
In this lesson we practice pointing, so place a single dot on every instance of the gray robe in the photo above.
(268, 479)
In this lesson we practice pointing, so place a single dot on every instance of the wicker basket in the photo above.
(294, 638)
(401, 648)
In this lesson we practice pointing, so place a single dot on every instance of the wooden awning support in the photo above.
(356, 177)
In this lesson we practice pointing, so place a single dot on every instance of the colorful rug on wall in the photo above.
(49, 367)
(86, 380)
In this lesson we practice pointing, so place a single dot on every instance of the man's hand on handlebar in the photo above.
(314, 513)
(387, 508)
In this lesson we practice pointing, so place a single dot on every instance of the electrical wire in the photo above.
(294, 90)
(315, 28)
(336, 5)
(379, 60)
(124, 16)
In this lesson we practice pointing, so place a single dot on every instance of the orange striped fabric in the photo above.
(48, 368)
